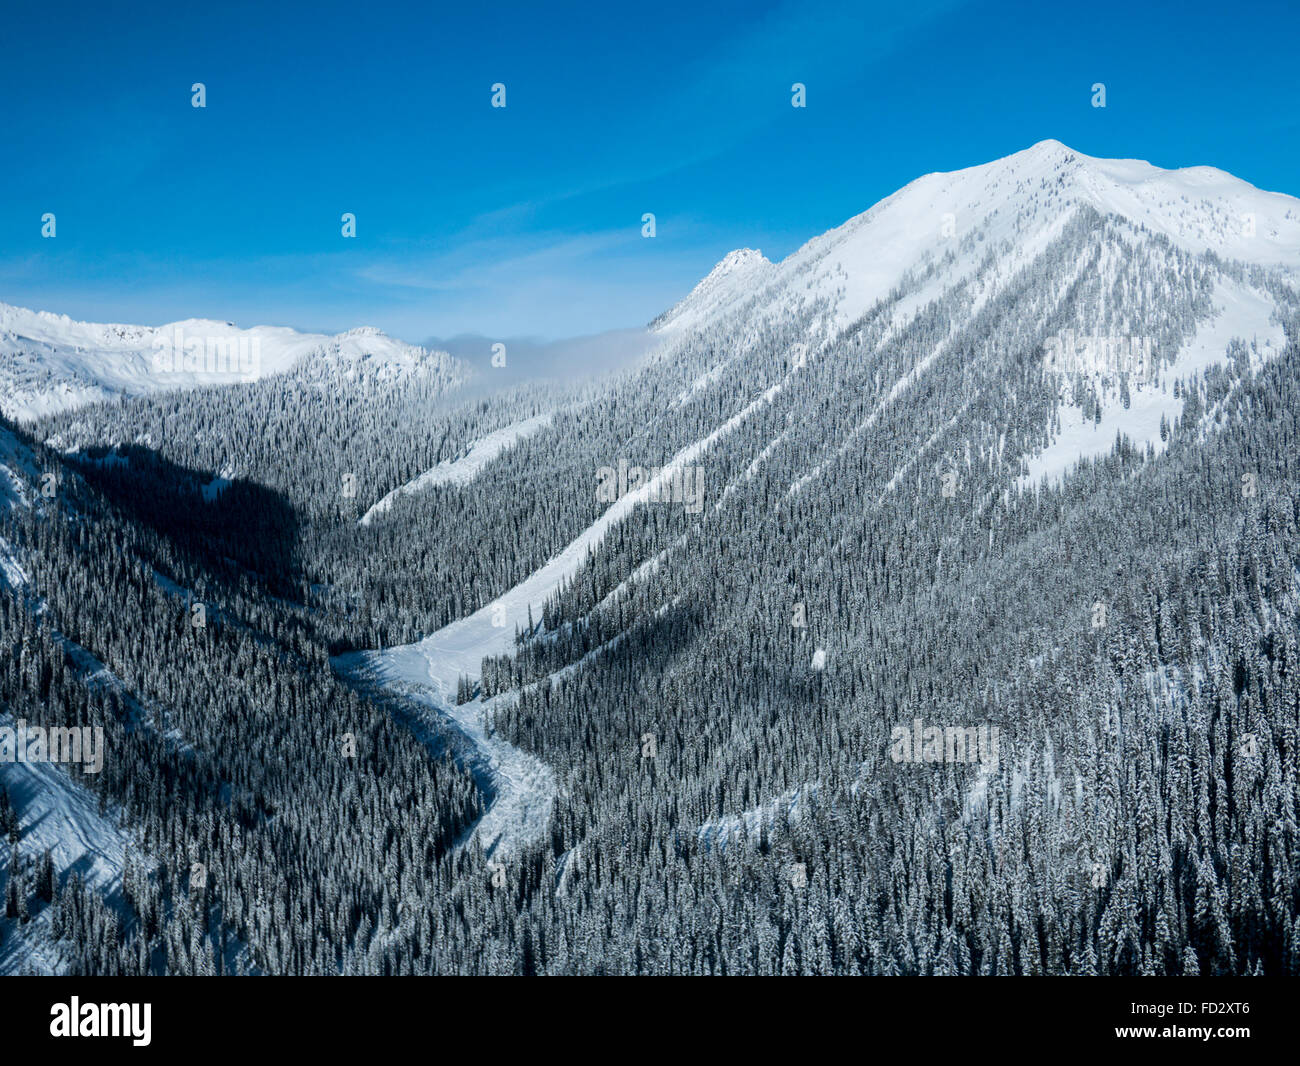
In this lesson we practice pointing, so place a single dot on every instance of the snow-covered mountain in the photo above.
(883, 428)
(973, 231)
(1014, 206)
(945, 226)
(977, 232)
(50, 362)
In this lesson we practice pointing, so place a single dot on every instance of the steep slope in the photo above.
(462, 470)
(56, 815)
(1026, 199)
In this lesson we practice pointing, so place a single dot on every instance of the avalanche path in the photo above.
(423, 676)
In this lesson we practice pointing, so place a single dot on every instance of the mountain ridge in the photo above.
(51, 362)
(910, 223)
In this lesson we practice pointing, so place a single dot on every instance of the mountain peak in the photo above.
(739, 270)
(1018, 201)
(1048, 147)
(740, 259)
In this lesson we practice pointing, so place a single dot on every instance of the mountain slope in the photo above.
(1025, 198)
(1042, 261)
(1037, 476)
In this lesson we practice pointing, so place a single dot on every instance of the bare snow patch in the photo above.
(1242, 313)
(58, 815)
(463, 470)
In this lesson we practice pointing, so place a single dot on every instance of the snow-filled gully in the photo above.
(423, 676)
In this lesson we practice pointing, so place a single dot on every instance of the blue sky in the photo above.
(527, 220)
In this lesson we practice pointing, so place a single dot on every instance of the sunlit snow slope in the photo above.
(50, 362)
(1025, 199)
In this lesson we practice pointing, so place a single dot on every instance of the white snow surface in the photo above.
(1241, 313)
(739, 272)
(1024, 198)
(50, 362)
(463, 470)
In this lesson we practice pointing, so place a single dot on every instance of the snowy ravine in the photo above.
(518, 788)
(425, 674)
